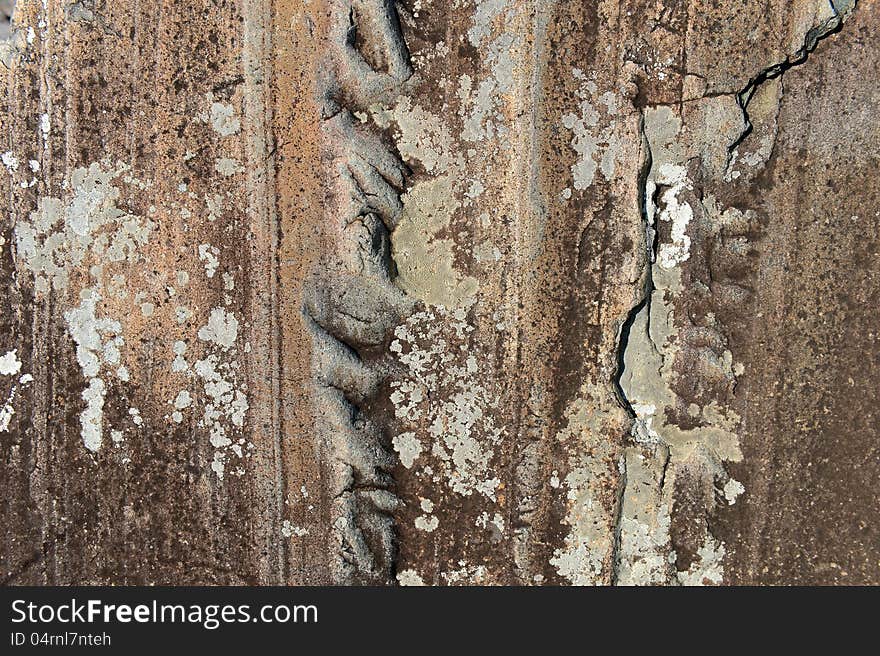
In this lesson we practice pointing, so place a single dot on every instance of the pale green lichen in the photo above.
(426, 261)
(61, 236)
(97, 344)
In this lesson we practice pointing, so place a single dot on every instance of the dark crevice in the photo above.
(666, 459)
(650, 246)
(812, 39)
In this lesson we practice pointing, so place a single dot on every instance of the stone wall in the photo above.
(444, 293)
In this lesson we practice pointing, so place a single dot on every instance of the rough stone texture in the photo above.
(449, 293)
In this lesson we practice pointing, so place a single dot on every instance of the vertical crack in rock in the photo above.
(675, 375)
(651, 252)
(641, 532)
(643, 306)
(351, 304)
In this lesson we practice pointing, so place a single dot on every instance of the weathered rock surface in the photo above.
(421, 292)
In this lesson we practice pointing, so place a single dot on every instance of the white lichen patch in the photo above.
(221, 329)
(676, 251)
(98, 341)
(409, 577)
(11, 366)
(407, 445)
(581, 560)
(183, 400)
(586, 553)
(59, 239)
(427, 523)
(645, 549)
(208, 254)
(732, 490)
(466, 574)
(496, 522)
(421, 136)
(224, 410)
(289, 530)
(482, 100)
(182, 314)
(6, 412)
(645, 555)
(220, 116)
(594, 133)
(214, 204)
(708, 570)
(179, 364)
(486, 14)
(228, 166)
(91, 419)
(59, 235)
(223, 119)
(443, 390)
(10, 161)
(9, 363)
